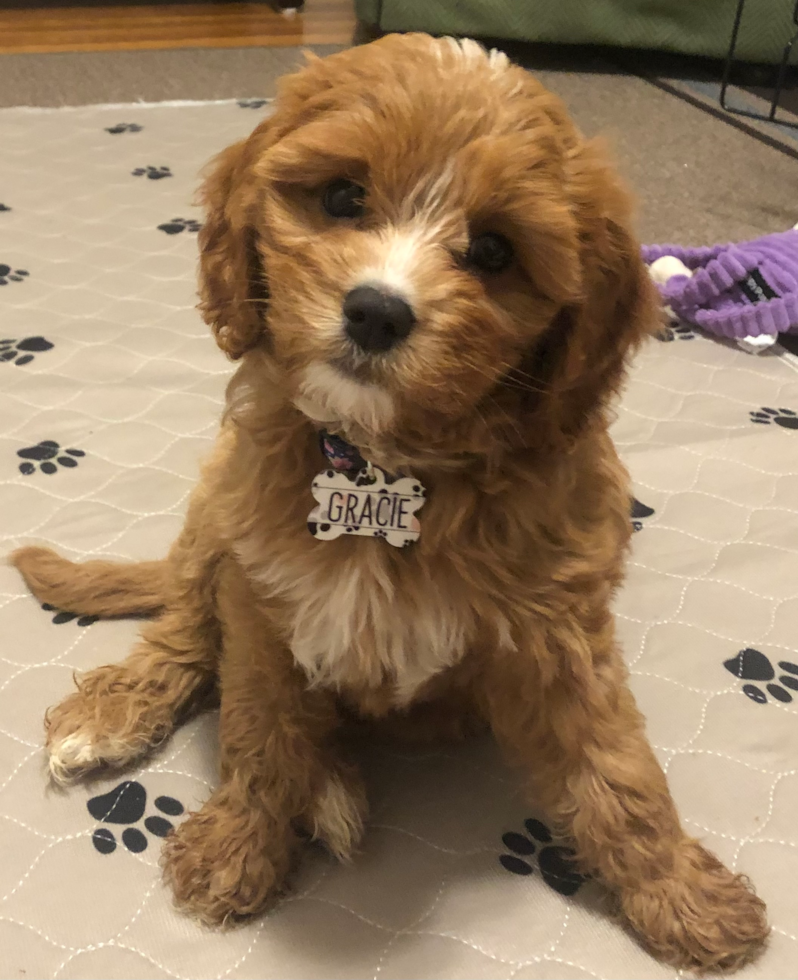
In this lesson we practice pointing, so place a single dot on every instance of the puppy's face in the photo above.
(413, 237)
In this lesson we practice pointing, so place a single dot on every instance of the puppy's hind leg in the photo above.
(121, 710)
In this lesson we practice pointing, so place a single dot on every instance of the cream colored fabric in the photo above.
(133, 382)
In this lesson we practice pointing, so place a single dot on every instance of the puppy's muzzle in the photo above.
(376, 320)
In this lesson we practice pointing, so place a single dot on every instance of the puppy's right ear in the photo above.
(233, 286)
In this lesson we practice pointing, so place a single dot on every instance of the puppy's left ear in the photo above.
(233, 286)
(581, 359)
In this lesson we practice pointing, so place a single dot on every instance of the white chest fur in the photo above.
(357, 623)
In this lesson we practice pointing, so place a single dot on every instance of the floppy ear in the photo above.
(579, 362)
(233, 287)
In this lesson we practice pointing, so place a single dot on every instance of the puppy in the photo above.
(419, 258)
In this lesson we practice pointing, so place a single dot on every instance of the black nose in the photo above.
(376, 320)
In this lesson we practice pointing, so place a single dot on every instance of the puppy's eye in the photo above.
(344, 199)
(490, 252)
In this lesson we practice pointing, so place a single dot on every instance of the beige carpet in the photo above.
(146, 76)
(110, 391)
(698, 180)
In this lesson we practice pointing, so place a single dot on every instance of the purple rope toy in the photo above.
(746, 292)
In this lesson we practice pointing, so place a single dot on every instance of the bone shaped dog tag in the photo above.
(367, 505)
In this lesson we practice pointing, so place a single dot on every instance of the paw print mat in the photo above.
(110, 392)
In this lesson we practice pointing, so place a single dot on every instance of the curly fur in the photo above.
(498, 401)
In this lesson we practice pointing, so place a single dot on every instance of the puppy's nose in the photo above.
(376, 320)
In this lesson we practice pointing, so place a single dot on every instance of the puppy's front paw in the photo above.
(700, 916)
(228, 861)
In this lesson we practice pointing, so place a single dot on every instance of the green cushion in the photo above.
(688, 26)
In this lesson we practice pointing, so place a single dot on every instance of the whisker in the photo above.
(520, 386)
(519, 377)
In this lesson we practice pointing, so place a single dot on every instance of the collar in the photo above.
(340, 454)
(345, 458)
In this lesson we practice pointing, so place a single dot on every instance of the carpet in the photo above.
(110, 392)
(69, 79)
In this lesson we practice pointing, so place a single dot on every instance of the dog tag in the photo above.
(368, 505)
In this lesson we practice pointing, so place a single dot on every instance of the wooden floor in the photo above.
(189, 25)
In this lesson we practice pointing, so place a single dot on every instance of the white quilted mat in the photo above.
(110, 389)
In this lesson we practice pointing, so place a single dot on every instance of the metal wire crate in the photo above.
(781, 77)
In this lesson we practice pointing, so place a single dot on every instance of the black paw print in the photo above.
(126, 803)
(62, 616)
(752, 665)
(124, 128)
(45, 451)
(7, 274)
(639, 512)
(252, 103)
(22, 351)
(380, 533)
(682, 332)
(4, 207)
(785, 417)
(154, 173)
(555, 862)
(176, 225)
